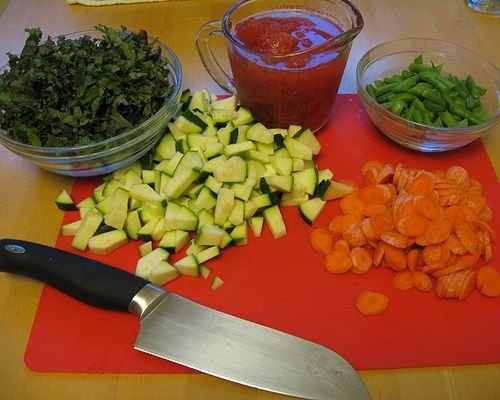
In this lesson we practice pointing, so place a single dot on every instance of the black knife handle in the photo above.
(87, 280)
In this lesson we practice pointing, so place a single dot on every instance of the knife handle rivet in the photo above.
(15, 248)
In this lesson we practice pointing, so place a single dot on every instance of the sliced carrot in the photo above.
(371, 176)
(395, 257)
(413, 259)
(454, 213)
(488, 252)
(468, 284)
(378, 194)
(445, 253)
(468, 260)
(372, 303)
(371, 164)
(354, 235)
(403, 280)
(432, 254)
(466, 234)
(362, 260)
(350, 219)
(488, 281)
(422, 281)
(476, 202)
(321, 240)
(447, 270)
(335, 225)
(338, 262)
(378, 254)
(342, 246)
(371, 209)
(386, 174)
(422, 184)
(458, 175)
(458, 285)
(412, 225)
(486, 214)
(394, 239)
(380, 224)
(454, 244)
(485, 226)
(428, 208)
(432, 268)
(437, 231)
(351, 204)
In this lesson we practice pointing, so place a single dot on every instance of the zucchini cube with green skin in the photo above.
(107, 242)
(133, 224)
(118, 209)
(274, 220)
(65, 202)
(146, 193)
(256, 224)
(337, 190)
(210, 235)
(179, 217)
(224, 205)
(88, 227)
(162, 273)
(297, 149)
(146, 263)
(233, 170)
(188, 265)
(307, 138)
(176, 186)
(311, 209)
(259, 133)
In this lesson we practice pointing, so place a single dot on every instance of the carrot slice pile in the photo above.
(432, 228)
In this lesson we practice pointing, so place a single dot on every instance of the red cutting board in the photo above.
(283, 284)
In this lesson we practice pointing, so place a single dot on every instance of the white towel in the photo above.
(111, 2)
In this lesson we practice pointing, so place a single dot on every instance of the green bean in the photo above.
(434, 96)
(462, 112)
(471, 102)
(419, 59)
(404, 96)
(475, 90)
(385, 89)
(430, 105)
(448, 119)
(394, 79)
(407, 84)
(431, 77)
(419, 88)
(417, 116)
(406, 73)
(463, 123)
(371, 90)
(378, 83)
(438, 122)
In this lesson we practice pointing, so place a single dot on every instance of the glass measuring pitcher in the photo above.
(287, 57)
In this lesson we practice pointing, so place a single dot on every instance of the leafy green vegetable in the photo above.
(68, 92)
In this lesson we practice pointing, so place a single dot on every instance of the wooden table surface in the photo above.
(27, 194)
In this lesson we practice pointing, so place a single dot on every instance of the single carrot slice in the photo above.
(488, 281)
(372, 303)
(378, 194)
(466, 234)
(445, 253)
(422, 184)
(403, 280)
(468, 260)
(338, 262)
(428, 208)
(321, 240)
(394, 239)
(371, 164)
(414, 259)
(476, 202)
(437, 231)
(454, 213)
(447, 270)
(342, 246)
(458, 175)
(486, 214)
(371, 210)
(386, 174)
(412, 225)
(488, 252)
(454, 244)
(362, 260)
(485, 226)
(432, 254)
(422, 281)
(380, 224)
(354, 235)
(468, 284)
(395, 257)
(378, 254)
(351, 204)
(350, 219)
(431, 268)
(335, 225)
(371, 176)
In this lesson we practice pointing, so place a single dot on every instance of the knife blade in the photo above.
(180, 330)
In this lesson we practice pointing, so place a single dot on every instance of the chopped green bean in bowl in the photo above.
(105, 115)
(461, 101)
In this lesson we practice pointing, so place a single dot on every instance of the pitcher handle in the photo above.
(207, 57)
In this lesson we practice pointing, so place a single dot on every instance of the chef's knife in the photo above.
(179, 330)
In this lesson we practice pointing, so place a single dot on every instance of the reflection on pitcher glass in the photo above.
(287, 57)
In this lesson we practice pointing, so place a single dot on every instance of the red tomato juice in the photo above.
(279, 71)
